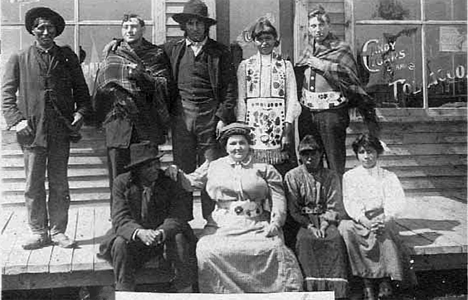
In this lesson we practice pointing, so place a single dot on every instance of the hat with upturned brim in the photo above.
(141, 153)
(194, 9)
(235, 128)
(46, 13)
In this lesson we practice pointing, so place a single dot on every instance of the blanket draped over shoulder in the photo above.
(342, 73)
(151, 78)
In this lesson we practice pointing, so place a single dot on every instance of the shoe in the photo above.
(36, 241)
(61, 240)
(385, 289)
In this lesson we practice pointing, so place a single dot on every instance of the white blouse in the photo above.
(368, 189)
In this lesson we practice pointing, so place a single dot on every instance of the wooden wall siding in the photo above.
(334, 8)
(177, 6)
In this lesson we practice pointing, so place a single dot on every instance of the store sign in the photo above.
(377, 55)
(392, 65)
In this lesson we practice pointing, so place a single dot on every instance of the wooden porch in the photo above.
(434, 227)
(427, 152)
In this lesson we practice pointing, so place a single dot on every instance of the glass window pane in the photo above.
(14, 11)
(445, 9)
(390, 63)
(10, 44)
(447, 65)
(113, 9)
(17, 38)
(387, 10)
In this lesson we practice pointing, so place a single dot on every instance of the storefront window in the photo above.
(390, 64)
(13, 10)
(446, 65)
(95, 24)
(445, 9)
(398, 41)
(113, 9)
(387, 10)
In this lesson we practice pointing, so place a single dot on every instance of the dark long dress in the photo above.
(314, 199)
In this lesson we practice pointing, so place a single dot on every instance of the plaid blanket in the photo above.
(151, 77)
(341, 73)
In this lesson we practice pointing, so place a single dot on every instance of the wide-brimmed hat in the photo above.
(194, 9)
(141, 153)
(47, 13)
(308, 143)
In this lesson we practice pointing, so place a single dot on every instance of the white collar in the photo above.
(191, 43)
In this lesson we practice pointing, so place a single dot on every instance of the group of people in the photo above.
(271, 225)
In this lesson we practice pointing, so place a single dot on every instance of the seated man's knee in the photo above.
(119, 247)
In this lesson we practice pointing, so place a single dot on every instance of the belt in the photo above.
(247, 208)
(323, 100)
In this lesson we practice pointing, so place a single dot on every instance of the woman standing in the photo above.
(268, 99)
(314, 200)
(372, 197)
(241, 249)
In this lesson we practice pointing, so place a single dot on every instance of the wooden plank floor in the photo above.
(431, 226)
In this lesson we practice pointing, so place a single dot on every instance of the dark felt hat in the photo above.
(141, 153)
(47, 13)
(308, 143)
(194, 9)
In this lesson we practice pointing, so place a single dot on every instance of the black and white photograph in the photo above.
(233, 149)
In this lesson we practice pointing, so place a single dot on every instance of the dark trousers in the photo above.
(129, 257)
(52, 215)
(329, 128)
(117, 159)
(194, 141)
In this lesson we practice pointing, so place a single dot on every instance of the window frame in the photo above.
(157, 22)
(350, 37)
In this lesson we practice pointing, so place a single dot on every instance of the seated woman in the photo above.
(241, 249)
(314, 200)
(372, 197)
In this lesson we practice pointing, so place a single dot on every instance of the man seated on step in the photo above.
(147, 222)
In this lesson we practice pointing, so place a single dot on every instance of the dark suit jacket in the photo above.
(164, 210)
(26, 74)
(222, 74)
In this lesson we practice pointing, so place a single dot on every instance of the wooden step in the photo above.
(12, 174)
(74, 183)
(414, 161)
(412, 127)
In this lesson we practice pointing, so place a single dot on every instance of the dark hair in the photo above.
(320, 14)
(263, 26)
(365, 141)
(127, 17)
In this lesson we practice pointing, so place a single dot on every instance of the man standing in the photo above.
(147, 222)
(329, 84)
(132, 94)
(52, 100)
(206, 91)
